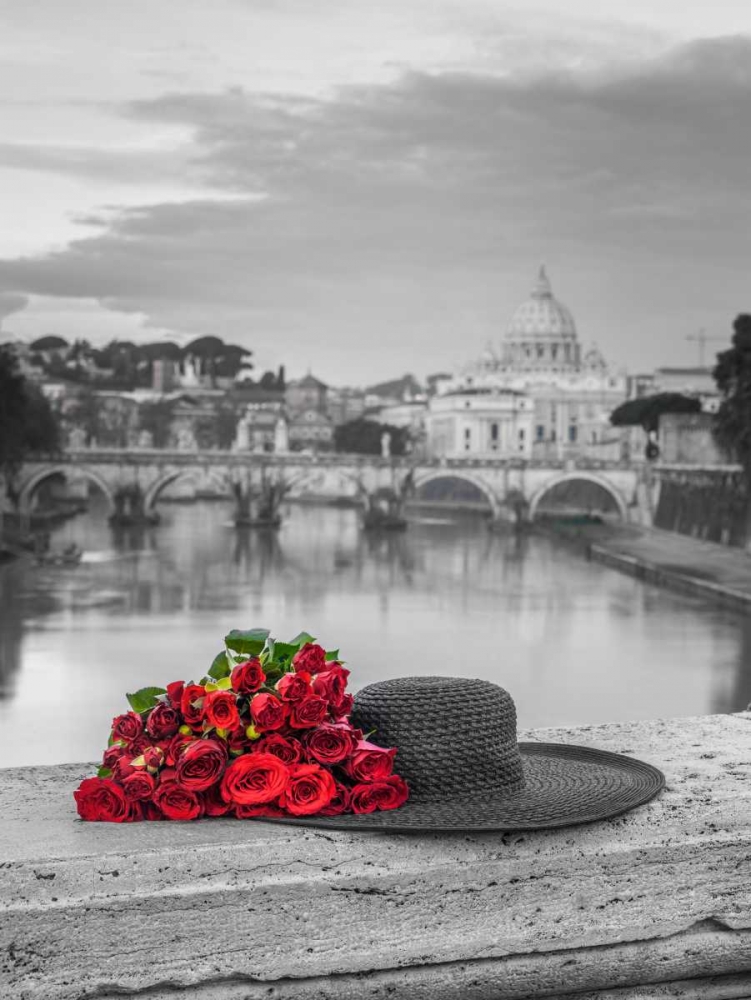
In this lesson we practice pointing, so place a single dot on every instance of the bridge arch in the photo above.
(579, 476)
(467, 477)
(151, 494)
(28, 489)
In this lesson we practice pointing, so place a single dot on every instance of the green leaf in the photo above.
(267, 653)
(250, 641)
(332, 654)
(145, 699)
(284, 650)
(220, 666)
(104, 772)
(301, 639)
(224, 684)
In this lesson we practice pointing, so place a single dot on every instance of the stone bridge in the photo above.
(498, 485)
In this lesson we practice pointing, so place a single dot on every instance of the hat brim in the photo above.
(564, 785)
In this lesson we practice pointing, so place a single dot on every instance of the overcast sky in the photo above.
(369, 188)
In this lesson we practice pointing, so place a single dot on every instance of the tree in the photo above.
(646, 411)
(363, 436)
(27, 423)
(156, 418)
(732, 373)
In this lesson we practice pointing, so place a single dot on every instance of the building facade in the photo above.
(571, 391)
(480, 423)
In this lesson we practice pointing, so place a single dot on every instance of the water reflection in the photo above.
(573, 641)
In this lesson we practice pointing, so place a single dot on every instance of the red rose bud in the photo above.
(101, 800)
(293, 687)
(175, 693)
(139, 785)
(248, 677)
(220, 709)
(177, 802)
(153, 758)
(309, 712)
(390, 793)
(370, 763)
(309, 790)
(331, 685)
(330, 743)
(191, 713)
(267, 712)
(253, 779)
(163, 721)
(201, 764)
(127, 727)
(340, 802)
(311, 658)
(287, 750)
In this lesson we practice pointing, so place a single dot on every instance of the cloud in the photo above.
(391, 226)
(11, 302)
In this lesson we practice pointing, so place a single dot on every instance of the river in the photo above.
(574, 642)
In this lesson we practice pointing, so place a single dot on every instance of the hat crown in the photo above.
(455, 736)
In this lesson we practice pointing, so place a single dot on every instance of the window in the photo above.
(467, 438)
(521, 433)
(540, 432)
(540, 350)
(572, 433)
(494, 437)
(554, 351)
(552, 434)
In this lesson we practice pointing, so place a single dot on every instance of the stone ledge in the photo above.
(227, 909)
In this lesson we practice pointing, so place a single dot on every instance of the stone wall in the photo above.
(705, 503)
(686, 439)
(653, 903)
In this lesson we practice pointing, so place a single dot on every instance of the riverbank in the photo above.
(687, 565)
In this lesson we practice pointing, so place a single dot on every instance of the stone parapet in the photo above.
(653, 903)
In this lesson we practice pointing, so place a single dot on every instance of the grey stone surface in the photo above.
(228, 909)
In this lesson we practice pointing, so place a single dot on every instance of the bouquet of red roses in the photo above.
(265, 733)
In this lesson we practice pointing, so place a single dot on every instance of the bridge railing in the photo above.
(654, 903)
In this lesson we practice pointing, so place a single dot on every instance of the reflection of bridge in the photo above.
(499, 484)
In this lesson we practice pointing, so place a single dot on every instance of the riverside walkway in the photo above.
(654, 903)
(719, 573)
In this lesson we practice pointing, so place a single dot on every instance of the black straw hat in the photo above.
(458, 752)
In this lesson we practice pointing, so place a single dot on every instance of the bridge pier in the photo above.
(130, 508)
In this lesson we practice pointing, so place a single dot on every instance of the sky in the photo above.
(367, 189)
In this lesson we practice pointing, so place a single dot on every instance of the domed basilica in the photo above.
(538, 395)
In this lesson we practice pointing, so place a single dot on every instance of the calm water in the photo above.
(572, 641)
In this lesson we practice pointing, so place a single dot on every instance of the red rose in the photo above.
(177, 744)
(139, 745)
(331, 684)
(127, 727)
(287, 749)
(220, 709)
(213, 803)
(163, 721)
(201, 764)
(254, 778)
(248, 812)
(139, 785)
(340, 802)
(309, 790)
(112, 755)
(175, 693)
(123, 767)
(310, 658)
(190, 713)
(177, 802)
(390, 793)
(309, 712)
(292, 687)
(248, 677)
(267, 712)
(343, 709)
(237, 741)
(331, 742)
(150, 811)
(103, 800)
(369, 762)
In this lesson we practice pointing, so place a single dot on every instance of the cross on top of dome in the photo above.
(541, 288)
